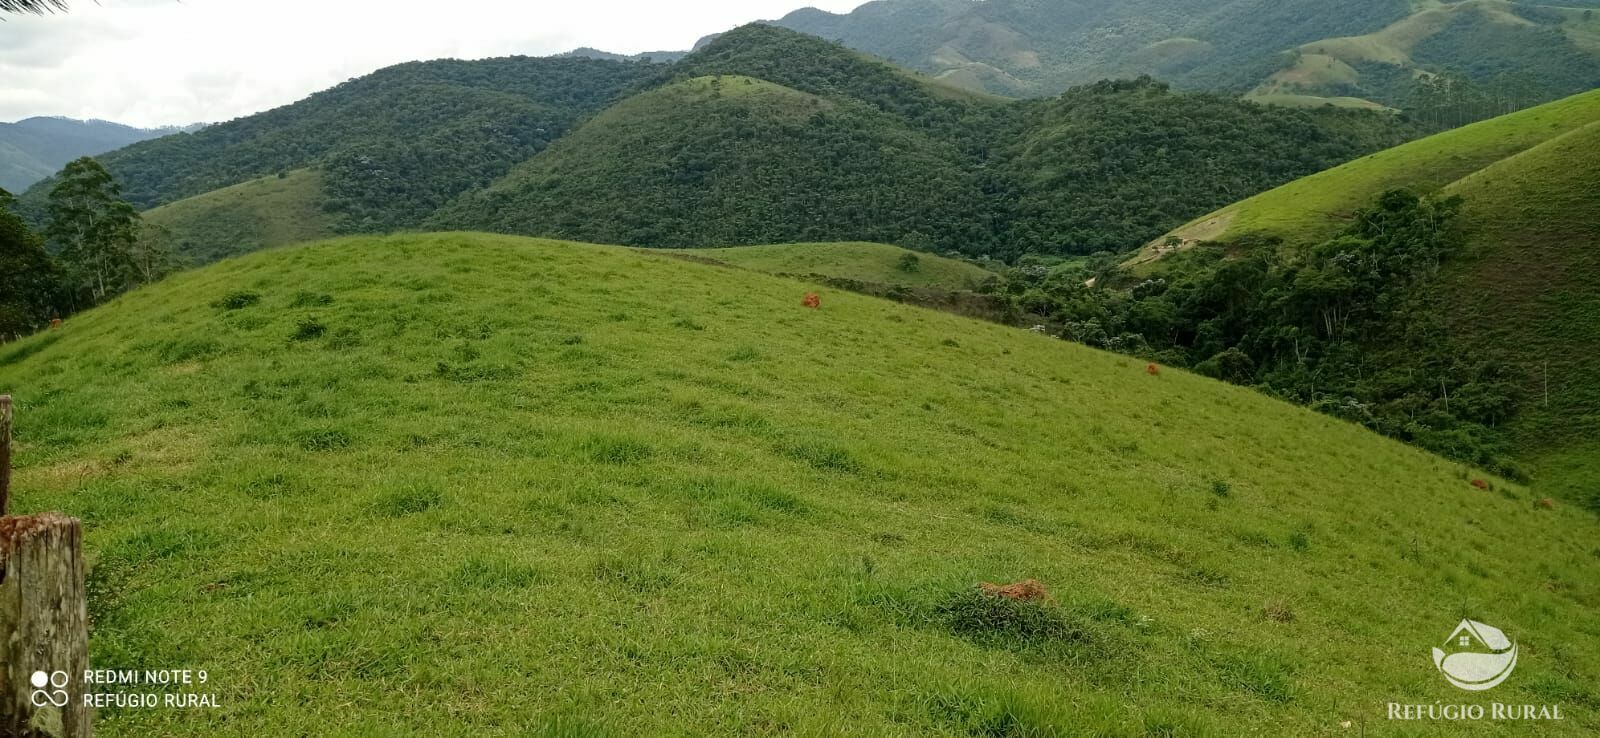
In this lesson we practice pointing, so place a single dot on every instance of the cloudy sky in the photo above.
(166, 62)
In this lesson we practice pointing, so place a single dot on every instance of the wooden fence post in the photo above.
(5, 455)
(44, 619)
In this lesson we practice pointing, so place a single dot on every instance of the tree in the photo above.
(151, 253)
(94, 229)
(30, 283)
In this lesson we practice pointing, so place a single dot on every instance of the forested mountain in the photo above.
(393, 145)
(35, 148)
(1292, 51)
(734, 160)
(768, 135)
(762, 135)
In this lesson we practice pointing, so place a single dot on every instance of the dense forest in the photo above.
(1112, 165)
(395, 144)
(754, 162)
(814, 142)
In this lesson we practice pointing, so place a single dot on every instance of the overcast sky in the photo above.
(166, 62)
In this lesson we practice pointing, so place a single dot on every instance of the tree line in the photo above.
(93, 247)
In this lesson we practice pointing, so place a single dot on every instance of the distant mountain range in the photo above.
(1297, 52)
(35, 148)
(659, 57)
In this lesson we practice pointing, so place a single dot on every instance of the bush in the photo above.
(987, 618)
(307, 329)
(237, 300)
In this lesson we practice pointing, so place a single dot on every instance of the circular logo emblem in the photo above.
(1476, 657)
(48, 689)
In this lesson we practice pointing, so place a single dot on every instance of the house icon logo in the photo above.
(1476, 657)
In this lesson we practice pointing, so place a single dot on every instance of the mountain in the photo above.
(1517, 288)
(658, 57)
(393, 145)
(36, 148)
(832, 144)
(1300, 52)
(765, 135)
(735, 160)
(549, 488)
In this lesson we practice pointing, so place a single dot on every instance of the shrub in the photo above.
(310, 299)
(974, 614)
(408, 501)
(308, 329)
(237, 300)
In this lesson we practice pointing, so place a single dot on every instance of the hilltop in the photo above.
(552, 487)
(1517, 287)
(1316, 206)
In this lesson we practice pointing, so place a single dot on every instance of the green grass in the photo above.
(261, 213)
(1318, 206)
(1529, 293)
(862, 262)
(521, 487)
(1526, 288)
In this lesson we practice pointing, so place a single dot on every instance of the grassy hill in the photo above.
(1317, 206)
(513, 486)
(862, 262)
(271, 211)
(1521, 289)
(1529, 293)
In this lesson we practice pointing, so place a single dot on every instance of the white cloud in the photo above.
(161, 62)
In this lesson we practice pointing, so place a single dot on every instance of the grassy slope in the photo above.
(519, 485)
(1530, 293)
(1316, 207)
(246, 217)
(864, 262)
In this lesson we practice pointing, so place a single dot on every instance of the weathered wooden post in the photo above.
(44, 633)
